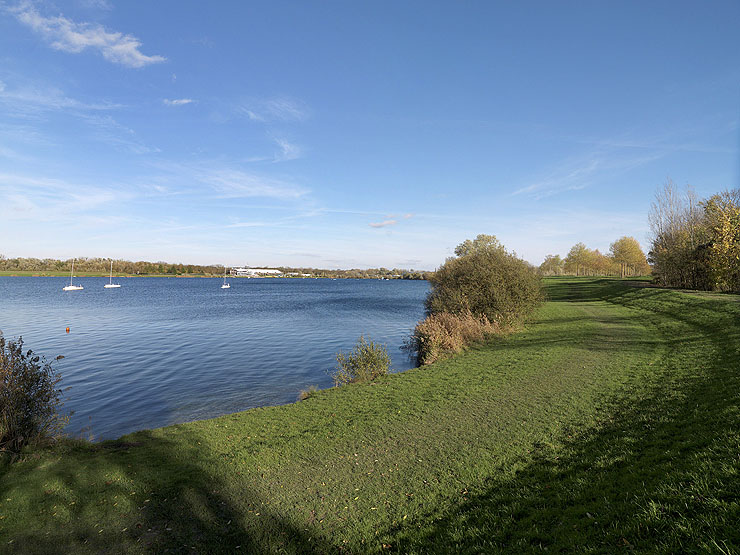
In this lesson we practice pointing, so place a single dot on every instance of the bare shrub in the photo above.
(29, 397)
(443, 333)
(366, 362)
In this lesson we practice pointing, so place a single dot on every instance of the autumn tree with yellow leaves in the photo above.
(696, 243)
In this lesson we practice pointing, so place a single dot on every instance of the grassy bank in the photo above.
(611, 422)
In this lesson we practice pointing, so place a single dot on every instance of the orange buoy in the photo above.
(67, 330)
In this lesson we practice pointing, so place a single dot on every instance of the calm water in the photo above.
(159, 351)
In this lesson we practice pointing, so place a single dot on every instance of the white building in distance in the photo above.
(254, 272)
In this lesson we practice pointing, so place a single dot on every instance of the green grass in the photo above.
(610, 423)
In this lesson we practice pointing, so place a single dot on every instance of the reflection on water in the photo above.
(164, 350)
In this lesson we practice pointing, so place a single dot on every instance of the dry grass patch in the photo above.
(443, 334)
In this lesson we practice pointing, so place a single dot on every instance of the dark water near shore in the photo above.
(159, 351)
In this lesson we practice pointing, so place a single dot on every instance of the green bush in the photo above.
(442, 334)
(485, 280)
(366, 362)
(29, 397)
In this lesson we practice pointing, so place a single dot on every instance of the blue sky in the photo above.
(355, 134)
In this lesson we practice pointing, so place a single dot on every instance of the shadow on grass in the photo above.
(658, 473)
(572, 289)
(148, 494)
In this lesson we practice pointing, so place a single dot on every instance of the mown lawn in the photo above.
(610, 423)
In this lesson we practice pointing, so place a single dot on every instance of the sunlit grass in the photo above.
(610, 422)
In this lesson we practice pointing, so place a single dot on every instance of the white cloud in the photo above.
(96, 4)
(274, 109)
(69, 36)
(177, 101)
(32, 102)
(254, 116)
(39, 199)
(249, 224)
(286, 109)
(391, 219)
(383, 223)
(237, 184)
(288, 150)
(27, 100)
(11, 154)
(109, 130)
(577, 174)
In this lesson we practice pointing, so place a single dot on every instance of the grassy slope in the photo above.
(611, 422)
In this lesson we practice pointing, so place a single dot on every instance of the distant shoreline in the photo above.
(14, 273)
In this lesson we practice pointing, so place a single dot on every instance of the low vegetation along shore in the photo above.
(611, 421)
(90, 267)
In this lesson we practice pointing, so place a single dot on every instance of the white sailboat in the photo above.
(110, 284)
(71, 287)
(225, 285)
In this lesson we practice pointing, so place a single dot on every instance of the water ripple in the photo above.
(163, 350)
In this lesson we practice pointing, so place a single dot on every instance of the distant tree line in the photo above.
(625, 258)
(356, 273)
(102, 265)
(696, 243)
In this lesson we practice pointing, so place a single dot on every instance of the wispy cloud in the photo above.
(96, 4)
(30, 99)
(274, 110)
(580, 173)
(33, 102)
(288, 150)
(23, 133)
(678, 139)
(203, 41)
(41, 199)
(391, 219)
(213, 179)
(248, 224)
(73, 37)
(231, 183)
(384, 223)
(110, 131)
(177, 101)
(561, 179)
(11, 154)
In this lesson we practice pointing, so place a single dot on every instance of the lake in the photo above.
(160, 351)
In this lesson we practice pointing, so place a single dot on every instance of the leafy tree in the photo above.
(484, 279)
(577, 258)
(678, 249)
(722, 217)
(626, 252)
(553, 265)
(600, 264)
(481, 243)
(696, 244)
